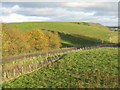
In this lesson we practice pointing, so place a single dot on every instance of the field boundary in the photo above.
(52, 52)
(9, 74)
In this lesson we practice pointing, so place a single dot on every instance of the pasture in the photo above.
(97, 68)
(86, 68)
(72, 35)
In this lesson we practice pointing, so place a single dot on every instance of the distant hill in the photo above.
(114, 28)
(72, 34)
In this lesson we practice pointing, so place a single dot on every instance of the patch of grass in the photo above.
(114, 37)
(92, 24)
(96, 68)
(74, 40)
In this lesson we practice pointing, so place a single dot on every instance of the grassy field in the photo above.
(96, 68)
(81, 69)
(72, 35)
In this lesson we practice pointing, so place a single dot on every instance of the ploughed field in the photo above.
(82, 69)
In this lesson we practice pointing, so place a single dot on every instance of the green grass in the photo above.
(81, 69)
(93, 24)
(84, 34)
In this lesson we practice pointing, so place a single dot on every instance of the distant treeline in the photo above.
(15, 42)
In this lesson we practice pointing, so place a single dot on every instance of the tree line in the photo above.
(15, 42)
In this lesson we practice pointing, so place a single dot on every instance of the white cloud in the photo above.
(108, 6)
(5, 10)
(21, 18)
(76, 4)
(51, 12)
(74, 16)
(110, 9)
(46, 11)
(21, 14)
(111, 21)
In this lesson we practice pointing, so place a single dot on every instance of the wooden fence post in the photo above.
(36, 66)
(5, 75)
(29, 67)
(46, 58)
(54, 57)
(41, 63)
(57, 57)
(21, 70)
(14, 72)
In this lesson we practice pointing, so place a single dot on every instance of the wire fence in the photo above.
(50, 57)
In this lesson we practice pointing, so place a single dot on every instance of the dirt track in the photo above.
(53, 52)
(36, 54)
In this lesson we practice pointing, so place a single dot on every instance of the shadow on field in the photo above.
(77, 40)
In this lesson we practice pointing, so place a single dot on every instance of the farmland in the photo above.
(96, 68)
(74, 60)
(66, 45)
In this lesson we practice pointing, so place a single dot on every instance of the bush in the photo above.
(54, 40)
(37, 40)
(15, 42)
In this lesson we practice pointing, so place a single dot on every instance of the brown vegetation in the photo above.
(15, 42)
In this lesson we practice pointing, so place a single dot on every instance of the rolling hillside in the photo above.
(71, 34)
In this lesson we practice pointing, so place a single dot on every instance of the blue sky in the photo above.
(105, 13)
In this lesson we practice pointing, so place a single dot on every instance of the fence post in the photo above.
(54, 57)
(57, 57)
(36, 66)
(29, 67)
(22, 70)
(39, 65)
(42, 63)
(14, 72)
(46, 58)
(5, 76)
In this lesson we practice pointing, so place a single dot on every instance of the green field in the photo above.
(96, 68)
(72, 35)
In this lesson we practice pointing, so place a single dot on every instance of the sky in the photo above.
(105, 13)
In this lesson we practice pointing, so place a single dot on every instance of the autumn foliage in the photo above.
(15, 42)
(54, 40)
